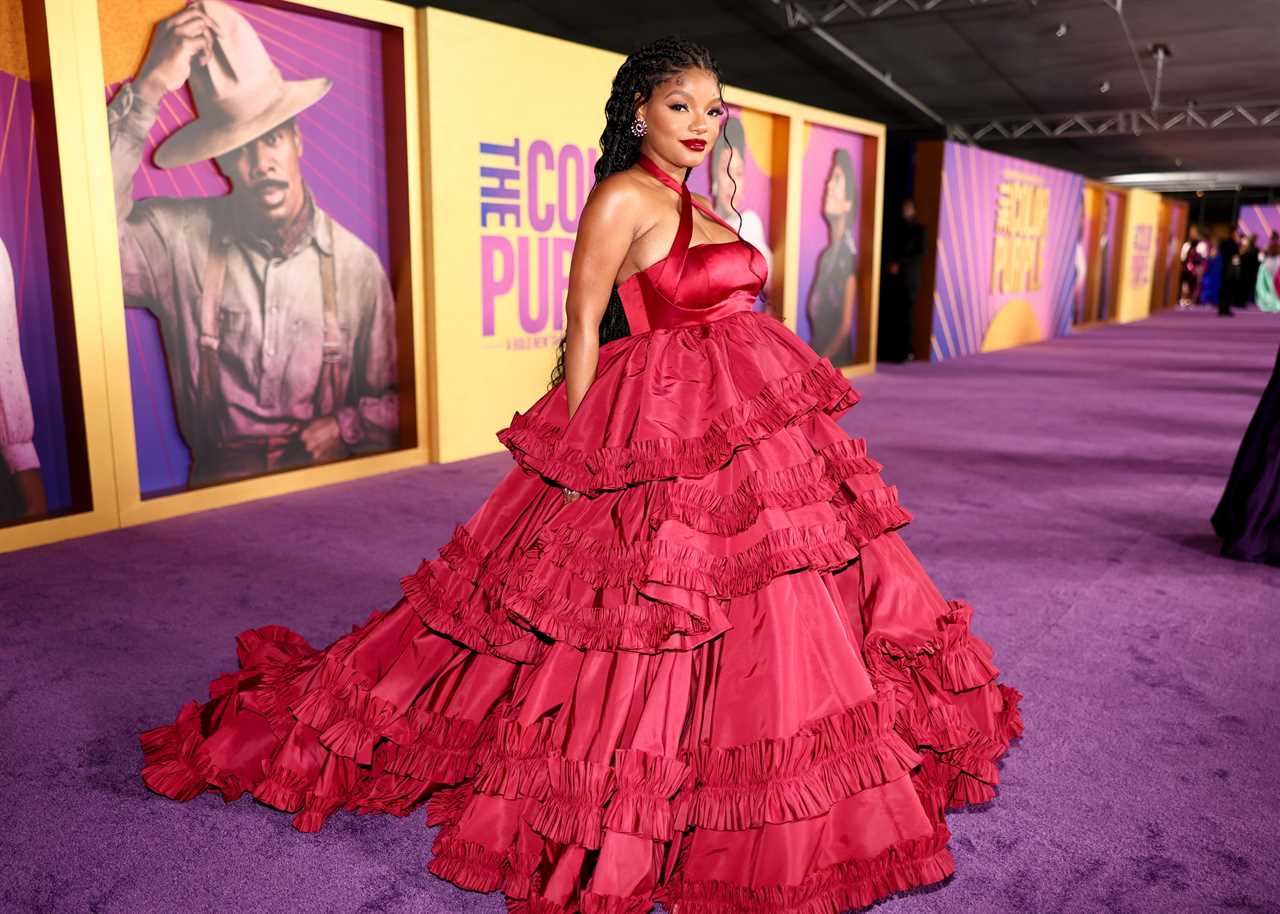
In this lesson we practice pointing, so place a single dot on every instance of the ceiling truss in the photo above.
(1071, 126)
(1132, 122)
(843, 12)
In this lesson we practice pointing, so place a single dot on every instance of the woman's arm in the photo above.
(846, 317)
(606, 231)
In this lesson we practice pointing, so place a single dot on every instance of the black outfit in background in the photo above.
(1229, 295)
(1248, 517)
(1249, 264)
(897, 319)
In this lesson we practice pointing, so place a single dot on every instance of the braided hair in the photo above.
(639, 75)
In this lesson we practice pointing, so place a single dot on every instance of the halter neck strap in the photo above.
(673, 264)
(648, 165)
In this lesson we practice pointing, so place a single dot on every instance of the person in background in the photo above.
(902, 285)
(1211, 280)
(1250, 258)
(1194, 254)
(1247, 518)
(1229, 250)
(1265, 286)
(22, 492)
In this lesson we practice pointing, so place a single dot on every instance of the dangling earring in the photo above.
(639, 128)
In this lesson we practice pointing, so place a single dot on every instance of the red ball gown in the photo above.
(719, 680)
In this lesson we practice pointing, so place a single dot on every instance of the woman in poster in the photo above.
(728, 181)
(22, 489)
(833, 299)
(573, 687)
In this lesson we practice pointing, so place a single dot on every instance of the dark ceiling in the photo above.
(969, 60)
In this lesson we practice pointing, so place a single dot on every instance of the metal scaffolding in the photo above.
(1131, 122)
(847, 11)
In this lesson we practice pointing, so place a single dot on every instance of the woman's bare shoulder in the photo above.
(620, 189)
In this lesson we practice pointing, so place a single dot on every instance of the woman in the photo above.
(679, 653)
(1211, 277)
(833, 297)
(1265, 289)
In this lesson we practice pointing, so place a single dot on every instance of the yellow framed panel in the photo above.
(1137, 266)
(1092, 214)
(99, 222)
(486, 89)
(63, 76)
(874, 178)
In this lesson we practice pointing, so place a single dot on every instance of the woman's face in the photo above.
(683, 115)
(836, 202)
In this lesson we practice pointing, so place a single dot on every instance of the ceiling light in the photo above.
(1061, 30)
(1105, 86)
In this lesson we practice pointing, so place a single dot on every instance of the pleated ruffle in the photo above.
(621, 433)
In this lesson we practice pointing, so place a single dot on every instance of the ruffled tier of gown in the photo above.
(718, 680)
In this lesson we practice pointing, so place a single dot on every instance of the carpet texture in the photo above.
(1063, 489)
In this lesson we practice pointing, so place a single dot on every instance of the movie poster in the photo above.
(834, 245)
(34, 466)
(250, 158)
(1008, 251)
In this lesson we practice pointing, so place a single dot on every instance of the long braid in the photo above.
(639, 75)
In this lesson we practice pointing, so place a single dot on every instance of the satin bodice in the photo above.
(692, 285)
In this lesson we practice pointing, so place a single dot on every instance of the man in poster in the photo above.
(278, 323)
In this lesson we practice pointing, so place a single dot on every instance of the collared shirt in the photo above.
(271, 316)
(17, 425)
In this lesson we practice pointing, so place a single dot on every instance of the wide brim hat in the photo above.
(238, 91)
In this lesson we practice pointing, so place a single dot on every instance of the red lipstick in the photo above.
(695, 145)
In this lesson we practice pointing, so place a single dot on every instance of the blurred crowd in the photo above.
(1233, 271)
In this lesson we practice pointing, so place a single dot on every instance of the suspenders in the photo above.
(329, 382)
(208, 387)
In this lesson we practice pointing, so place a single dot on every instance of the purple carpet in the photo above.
(1063, 489)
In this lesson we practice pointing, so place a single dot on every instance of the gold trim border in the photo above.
(66, 70)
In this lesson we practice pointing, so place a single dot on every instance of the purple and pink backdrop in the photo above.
(964, 304)
(1260, 221)
(345, 166)
(22, 229)
(819, 151)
